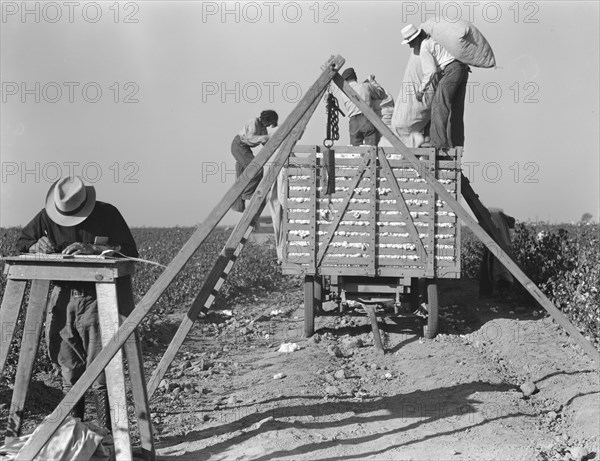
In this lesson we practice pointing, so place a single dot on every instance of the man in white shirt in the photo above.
(252, 135)
(362, 131)
(448, 106)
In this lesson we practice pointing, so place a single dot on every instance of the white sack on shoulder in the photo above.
(462, 40)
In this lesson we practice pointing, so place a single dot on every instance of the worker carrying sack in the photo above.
(462, 40)
(411, 116)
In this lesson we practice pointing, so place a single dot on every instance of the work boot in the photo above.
(103, 409)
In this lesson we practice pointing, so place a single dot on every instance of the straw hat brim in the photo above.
(410, 39)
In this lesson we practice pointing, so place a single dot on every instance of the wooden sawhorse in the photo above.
(115, 299)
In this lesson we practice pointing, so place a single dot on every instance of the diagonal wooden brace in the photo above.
(386, 169)
(336, 222)
(229, 254)
(485, 238)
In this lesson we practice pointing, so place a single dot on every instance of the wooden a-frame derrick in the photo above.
(310, 100)
(55, 419)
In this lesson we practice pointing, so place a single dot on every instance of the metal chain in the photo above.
(333, 129)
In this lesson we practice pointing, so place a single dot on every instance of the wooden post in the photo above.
(30, 341)
(469, 221)
(375, 328)
(145, 305)
(9, 314)
(108, 315)
(135, 365)
(230, 251)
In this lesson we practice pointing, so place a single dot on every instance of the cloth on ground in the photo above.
(275, 201)
(72, 441)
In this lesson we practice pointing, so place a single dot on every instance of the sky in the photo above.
(143, 99)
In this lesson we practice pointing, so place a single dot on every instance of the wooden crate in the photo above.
(382, 220)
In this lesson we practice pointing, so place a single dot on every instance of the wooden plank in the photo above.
(9, 314)
(361, 226)
(458, 238)
(349, 257)
(231, 250)
(135, 365)
(410, 227)
(337, 220)
(340, 270)
(472, 223)
(30, 341)
(364, 214)
(108, 317)
(423, 152)
(313, 215)
(307, 149)
(381, 271)
(431, 260)
(372, 249)
(303, 162)
(61, 272)
(296, 240)
(53, 422)
(297, 173)
(284, 216)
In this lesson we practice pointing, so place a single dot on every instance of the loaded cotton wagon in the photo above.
(362, 224)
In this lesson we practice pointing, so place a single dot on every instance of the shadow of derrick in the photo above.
(418, 408)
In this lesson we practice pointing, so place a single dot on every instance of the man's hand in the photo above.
(79, 248)
(43, 245)
(419, 96)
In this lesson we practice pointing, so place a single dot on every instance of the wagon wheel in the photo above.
(431, 328)
(313, 285)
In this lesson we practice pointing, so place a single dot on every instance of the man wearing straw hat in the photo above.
(448, 106)
(73, 222)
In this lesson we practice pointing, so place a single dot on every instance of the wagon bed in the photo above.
(398, 228)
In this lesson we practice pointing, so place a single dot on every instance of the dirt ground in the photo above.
(231, 395)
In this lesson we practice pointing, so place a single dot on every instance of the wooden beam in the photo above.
(402, 207)
(336, 221)
(187, 251)
(108, 319)
(9, 314)
(488, 241)
(375, 328)
(228, 255)
(32, 330)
